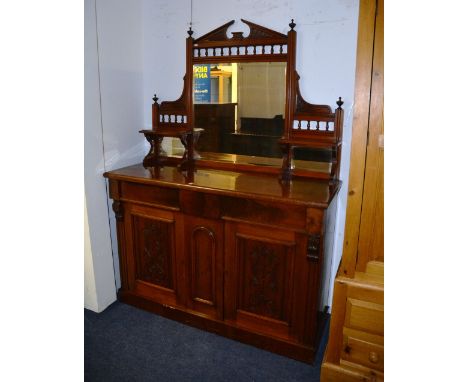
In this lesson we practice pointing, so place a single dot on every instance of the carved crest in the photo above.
(256, 32)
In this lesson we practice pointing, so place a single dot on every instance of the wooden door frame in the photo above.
(362, 100)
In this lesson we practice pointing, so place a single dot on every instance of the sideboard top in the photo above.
(310, 192)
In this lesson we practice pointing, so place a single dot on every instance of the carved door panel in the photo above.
(151, 253)
(262, 272)
(204, 259)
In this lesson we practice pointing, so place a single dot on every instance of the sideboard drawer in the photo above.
(146, 194)
(276, 214)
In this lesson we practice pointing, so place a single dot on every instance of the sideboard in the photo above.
(229, 235)
(234, 253)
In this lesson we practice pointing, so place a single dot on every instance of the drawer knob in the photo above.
(373, 357)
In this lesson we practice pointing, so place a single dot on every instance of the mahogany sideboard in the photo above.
(235, 253)
(229, 237)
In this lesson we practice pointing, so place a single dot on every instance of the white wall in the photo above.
(90, 293)
(120, 38)
(113, 116)
(99, 273)
(326, 57)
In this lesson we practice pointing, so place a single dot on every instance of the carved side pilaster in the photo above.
(313, 247)
(117, 207)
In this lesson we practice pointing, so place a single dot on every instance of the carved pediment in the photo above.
(256, 32)
(218, 34)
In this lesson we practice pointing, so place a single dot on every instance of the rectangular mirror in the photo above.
(240, 107)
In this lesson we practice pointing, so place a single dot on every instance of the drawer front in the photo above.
(365, 316)
(200, 204)
(146, 194)
(276, 214)
(363, 348)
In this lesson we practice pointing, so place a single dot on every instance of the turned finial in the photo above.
(292, 24)
(155, 99)
(190, 31)
(339, 103)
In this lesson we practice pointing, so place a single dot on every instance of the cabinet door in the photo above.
(204, 259)
(261, 270)
(151, 253)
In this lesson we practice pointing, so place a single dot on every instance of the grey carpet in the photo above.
(124, 343)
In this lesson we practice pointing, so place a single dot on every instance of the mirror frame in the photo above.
(176, 118)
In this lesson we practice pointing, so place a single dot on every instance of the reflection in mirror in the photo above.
(240, 107)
